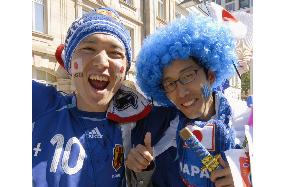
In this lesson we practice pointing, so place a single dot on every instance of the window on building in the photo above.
(43, 76)
(228, 1)
(230, 7)
(131, 33)
(130, 2)
(244, 3)
(39, 15)
(162, 9)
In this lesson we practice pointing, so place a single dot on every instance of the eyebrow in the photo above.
(113, 46)
(92, 41)
(180, 72)
(185, 69)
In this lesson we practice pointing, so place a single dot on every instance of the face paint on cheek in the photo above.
(119, 77)
(78, 75)
(77, 66)
(119, 71)
(206, 91)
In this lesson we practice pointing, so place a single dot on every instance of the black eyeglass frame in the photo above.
(180, 81)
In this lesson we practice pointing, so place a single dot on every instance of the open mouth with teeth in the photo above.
(98, 82)
(189, 103)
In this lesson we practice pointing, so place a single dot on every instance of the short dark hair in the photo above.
(198, 62)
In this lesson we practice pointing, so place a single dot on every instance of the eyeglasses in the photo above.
(185, 78)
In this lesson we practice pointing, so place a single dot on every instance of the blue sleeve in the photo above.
(44, 98)
(156, 122)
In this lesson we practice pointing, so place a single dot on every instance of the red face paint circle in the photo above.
(76, 65)
(198, 135)
(121, 69)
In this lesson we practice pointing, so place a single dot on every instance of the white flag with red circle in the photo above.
(220, 14)
(205, 135)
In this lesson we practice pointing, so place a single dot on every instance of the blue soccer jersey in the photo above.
(72, 147)
(172, 168)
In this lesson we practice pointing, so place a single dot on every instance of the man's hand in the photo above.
(140, 157)
(222, 177)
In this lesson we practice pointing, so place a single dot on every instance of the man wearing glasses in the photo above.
(195, 55)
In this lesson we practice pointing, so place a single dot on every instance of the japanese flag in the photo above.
(220, 14)
(205, 135)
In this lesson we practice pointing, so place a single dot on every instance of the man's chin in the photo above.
(192, 115)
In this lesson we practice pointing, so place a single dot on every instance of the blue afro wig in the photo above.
(195, 36)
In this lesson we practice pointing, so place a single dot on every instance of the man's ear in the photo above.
(211, 77)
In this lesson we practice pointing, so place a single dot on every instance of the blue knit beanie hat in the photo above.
(196, 35)
(101, 20)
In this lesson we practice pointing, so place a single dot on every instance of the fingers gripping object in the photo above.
(209, 162)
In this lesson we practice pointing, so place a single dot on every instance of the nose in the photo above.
(101, 60)
(182, 90)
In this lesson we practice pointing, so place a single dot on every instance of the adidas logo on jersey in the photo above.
(95, 133)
